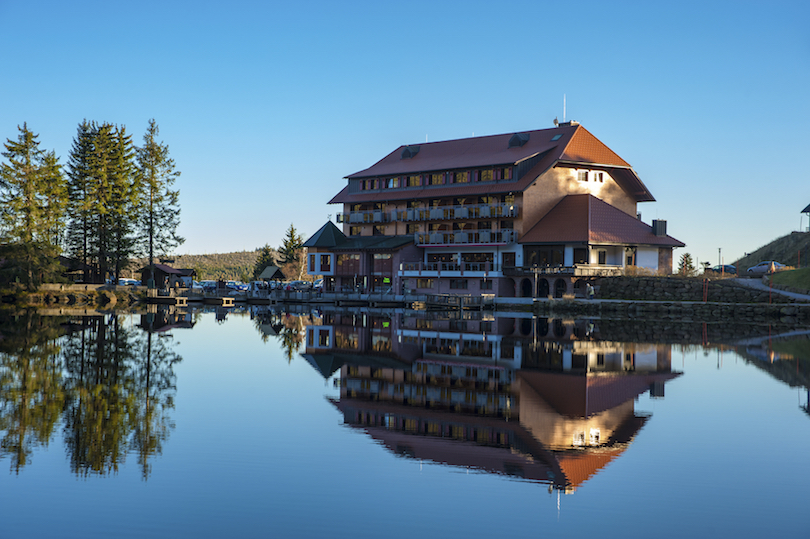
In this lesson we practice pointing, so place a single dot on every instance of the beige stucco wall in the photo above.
(550, 187)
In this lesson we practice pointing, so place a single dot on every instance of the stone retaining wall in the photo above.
(682, 289)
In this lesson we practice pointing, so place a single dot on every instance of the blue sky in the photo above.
(267, 106)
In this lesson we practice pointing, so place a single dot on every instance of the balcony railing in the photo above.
(360, 217)
(441, 213)
(480, 237)
(579, 270)
(449, 266)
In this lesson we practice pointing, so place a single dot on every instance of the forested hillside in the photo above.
(236, 266)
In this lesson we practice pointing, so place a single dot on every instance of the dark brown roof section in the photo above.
(469, 152)
(575, 147)
(586, 219)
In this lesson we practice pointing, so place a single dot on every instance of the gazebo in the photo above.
(271, 273)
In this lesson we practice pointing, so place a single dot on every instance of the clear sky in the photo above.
(267, 106)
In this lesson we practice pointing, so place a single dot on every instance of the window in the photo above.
(379, 230)
(411, 229)
(424, 283)
(414, 181)
(504, 173)
(582, 175)
(393, 183)
(599, 177)
(311, 263)
(602, 257)
(355, 230)
(458, 284)
(437, 179)
(461, 177)
(486, 175)
(556, 137)
(326, 263)
(486, 284)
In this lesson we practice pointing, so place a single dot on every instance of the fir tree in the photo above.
(291, 246)
(80, 203)
(267, 257)
(686, 267)
(159, 208)
(32, 191)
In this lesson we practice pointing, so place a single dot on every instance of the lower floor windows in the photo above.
(424, 283)
(486, 284)
(458, 284)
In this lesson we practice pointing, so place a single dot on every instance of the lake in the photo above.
(250, 422)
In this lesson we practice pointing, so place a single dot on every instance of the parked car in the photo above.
(727, 268)
(209, 286)
(763, 268)
(298, 285)
(318, 285)
(128, 282)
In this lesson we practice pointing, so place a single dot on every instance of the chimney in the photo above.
(659, 227)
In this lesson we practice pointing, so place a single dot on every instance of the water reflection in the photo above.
(109, 383)
(545, 400)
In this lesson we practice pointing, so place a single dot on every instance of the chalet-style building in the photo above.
(526, 214)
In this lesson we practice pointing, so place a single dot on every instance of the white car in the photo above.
(763, 268)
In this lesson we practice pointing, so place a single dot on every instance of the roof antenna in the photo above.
(563, 108)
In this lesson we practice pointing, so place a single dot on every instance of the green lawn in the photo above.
(798, 278)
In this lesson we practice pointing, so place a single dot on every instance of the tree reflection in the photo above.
(156, 386)
(120, 384)
(31, 394)
(101, 392)
(291, 336)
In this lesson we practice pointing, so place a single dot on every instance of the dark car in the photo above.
(727, 268)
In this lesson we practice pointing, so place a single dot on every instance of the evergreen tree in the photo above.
(291, 247)
(267, 257)
(160, 210)
(32, 191)
(103, 199)
(686, 267)
(80, 203)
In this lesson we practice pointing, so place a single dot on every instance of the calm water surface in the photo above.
(358, 424)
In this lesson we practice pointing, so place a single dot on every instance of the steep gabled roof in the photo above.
(568, 145)
(327, 236)
(586, 219)
(806, 210)
(330, 237)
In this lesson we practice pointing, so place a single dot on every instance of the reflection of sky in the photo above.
(258, 451)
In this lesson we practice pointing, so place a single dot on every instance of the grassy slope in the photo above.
(785, 250)
(799, 278)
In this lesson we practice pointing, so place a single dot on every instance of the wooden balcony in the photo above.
(478, 237)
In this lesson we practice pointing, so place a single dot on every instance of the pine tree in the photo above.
(32, 192)
(686, 267)
(103, 198)
(159, 204)
(80, 203)
(291, 246)
(267, 257)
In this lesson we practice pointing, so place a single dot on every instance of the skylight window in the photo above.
(558, 136)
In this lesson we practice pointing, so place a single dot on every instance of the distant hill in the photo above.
(236, 266)
(785, 250)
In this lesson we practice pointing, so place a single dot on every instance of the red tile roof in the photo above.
(574, 146)
(586, 219)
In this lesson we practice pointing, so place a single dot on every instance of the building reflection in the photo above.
(544, 400)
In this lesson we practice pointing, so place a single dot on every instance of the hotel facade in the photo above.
(530, 214)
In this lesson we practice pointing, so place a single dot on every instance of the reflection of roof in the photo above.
(586, 219)
(538, 152)
(327, 363)
(577, 395)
